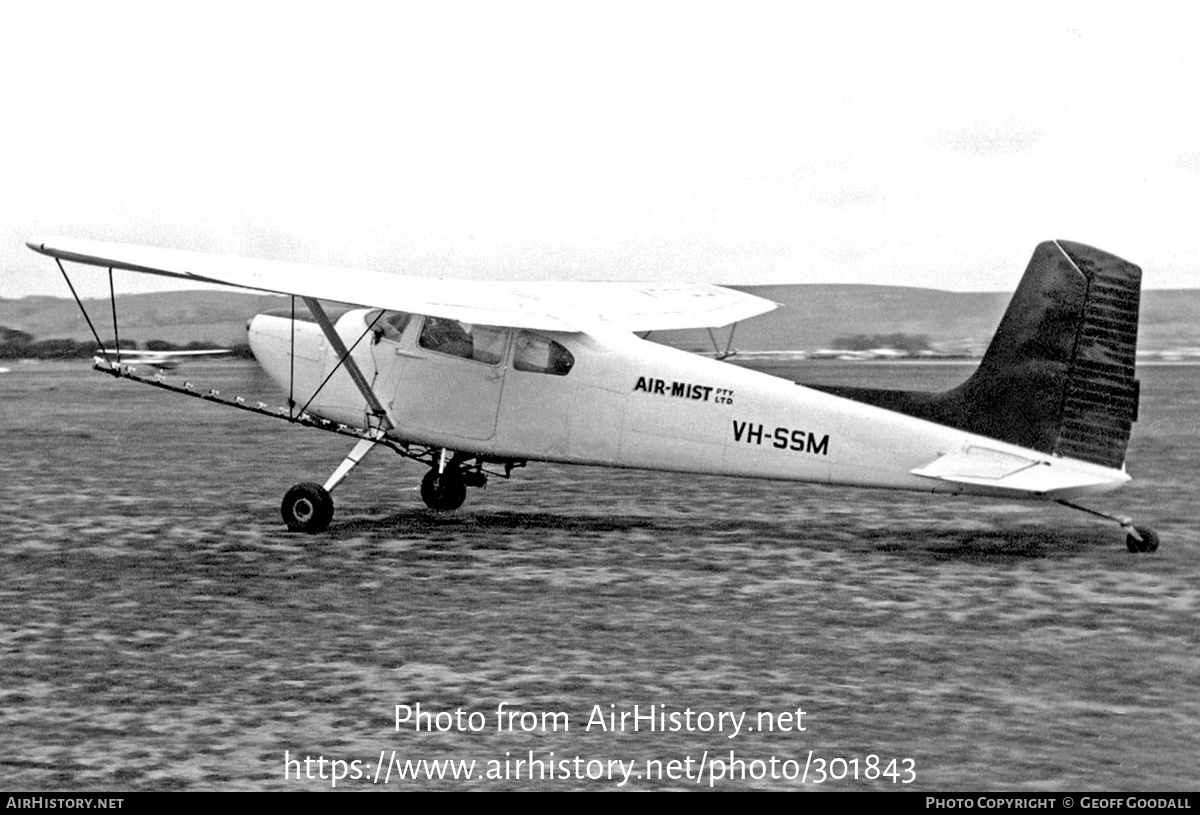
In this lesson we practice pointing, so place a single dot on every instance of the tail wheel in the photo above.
(443, 491)
(307, 508)
(1148, 542)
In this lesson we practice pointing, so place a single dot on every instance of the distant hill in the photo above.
(811, 317)
(178, 317)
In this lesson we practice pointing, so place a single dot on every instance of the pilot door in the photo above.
(443, 375)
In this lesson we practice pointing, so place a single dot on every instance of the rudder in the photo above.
(1101, 403)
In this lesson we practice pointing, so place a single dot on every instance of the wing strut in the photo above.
(112, 297)
(292, 361)
(728, 352)
(78, 302)
(378, 409)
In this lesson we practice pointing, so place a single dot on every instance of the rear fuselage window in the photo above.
(542, 355)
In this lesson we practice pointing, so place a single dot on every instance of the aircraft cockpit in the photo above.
(488, 344)
(458, 339)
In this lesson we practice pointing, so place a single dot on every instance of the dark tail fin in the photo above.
(1059, 374)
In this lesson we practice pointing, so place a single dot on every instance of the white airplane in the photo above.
(477, 378)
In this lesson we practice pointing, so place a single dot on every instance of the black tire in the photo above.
(307, 508)
(443, 491)
(1148, 542)
(1150, 537)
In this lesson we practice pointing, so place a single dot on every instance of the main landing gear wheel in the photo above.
(443, 491)
(307, 508)
(1148, 542)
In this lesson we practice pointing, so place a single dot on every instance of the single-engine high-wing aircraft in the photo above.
(475, 378)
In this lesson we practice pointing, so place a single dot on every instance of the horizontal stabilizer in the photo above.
(980, 466)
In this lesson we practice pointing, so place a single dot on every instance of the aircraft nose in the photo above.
(255, 323)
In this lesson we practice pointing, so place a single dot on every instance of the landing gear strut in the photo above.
(1138, 539)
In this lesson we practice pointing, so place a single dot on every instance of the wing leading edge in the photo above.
(575, 306)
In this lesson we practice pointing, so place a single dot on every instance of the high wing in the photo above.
(547, 306)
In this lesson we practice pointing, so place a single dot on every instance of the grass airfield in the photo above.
(161, 630)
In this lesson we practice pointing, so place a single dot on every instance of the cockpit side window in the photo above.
(540, 354)
(390, 325)
(396, 321)
(481, 343)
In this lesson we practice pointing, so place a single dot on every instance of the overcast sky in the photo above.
(910, 143)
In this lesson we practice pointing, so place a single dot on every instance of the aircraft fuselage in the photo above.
(625, 402)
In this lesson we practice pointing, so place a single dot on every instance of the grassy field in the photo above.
(161, 630)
